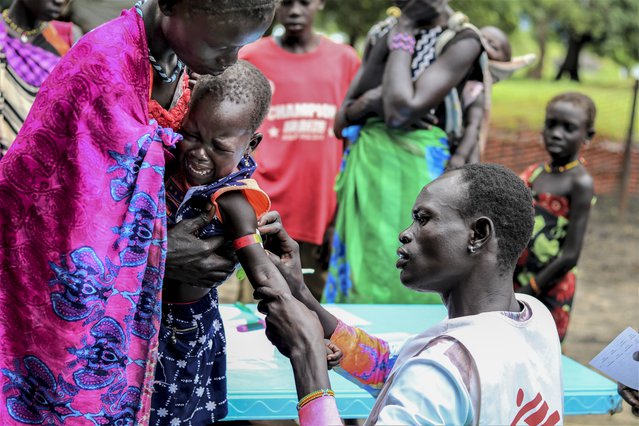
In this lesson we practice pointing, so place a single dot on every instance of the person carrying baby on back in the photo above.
(499, 64)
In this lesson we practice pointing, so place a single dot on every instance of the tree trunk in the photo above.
(571, 62)
(541, 34)
(352, 37)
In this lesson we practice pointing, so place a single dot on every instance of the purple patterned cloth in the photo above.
(32, 64)
(83, 240)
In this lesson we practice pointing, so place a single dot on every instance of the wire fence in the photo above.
(520, 145)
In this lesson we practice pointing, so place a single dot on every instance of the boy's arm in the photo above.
(580, 201)
(239, 220)
(474, 117)
(284, 253)
(291, 327)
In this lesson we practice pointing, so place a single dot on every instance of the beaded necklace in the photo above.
(564, 168)
(154, 63)
(24, 34)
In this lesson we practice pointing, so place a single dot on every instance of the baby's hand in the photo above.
(333, 355)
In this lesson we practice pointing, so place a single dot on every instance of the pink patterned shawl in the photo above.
(83, 240)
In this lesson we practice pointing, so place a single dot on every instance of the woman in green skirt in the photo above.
(404, 100)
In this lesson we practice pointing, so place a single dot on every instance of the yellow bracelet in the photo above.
(533, 285)
(313, 396)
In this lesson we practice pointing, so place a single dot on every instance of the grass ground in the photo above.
(520, 103)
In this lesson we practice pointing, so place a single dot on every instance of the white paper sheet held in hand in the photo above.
(616, 360)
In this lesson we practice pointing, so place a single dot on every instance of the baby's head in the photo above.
(497, 44)
(219, 129)
(569, 124)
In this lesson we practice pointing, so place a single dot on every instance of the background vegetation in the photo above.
(588, 45)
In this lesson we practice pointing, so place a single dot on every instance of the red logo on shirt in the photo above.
(535, 412)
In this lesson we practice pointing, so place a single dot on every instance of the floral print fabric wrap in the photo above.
(83, 240)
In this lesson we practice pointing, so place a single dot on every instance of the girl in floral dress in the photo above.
(563, 193)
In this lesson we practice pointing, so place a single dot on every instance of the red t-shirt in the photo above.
(299, 156)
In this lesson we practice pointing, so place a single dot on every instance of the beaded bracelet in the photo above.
(247, 240)
(313, 396)
(402, 41)
(533, 285)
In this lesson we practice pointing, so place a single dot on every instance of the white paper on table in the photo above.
(616, 360)
(229, 312)
(243, 346)
(347, 317)
(248, 345)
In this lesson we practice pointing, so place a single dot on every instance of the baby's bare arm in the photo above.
(239, 220)
(193, 266)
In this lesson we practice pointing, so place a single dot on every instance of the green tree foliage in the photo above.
(610, 27)
(580, 22)
(541, 14)
(620, 37)
(503, 14)
(354, 17)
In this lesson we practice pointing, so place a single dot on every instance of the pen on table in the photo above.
(253, 322)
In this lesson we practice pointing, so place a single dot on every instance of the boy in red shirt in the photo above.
(300, 154)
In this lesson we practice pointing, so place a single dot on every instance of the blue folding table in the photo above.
(261, 386)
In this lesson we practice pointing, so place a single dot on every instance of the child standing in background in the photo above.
(300, 155)
(563, 193)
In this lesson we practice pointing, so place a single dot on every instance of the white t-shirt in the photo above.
(491, 368)
(448, 402)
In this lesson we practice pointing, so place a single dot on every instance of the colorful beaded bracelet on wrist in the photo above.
(533, 285)
(403, 41)
(313, 396)
(247, 240)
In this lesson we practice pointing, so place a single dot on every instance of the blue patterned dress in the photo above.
(190, 378)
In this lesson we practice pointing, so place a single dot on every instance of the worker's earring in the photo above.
(471, 249)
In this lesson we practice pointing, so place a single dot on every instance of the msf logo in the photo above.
(534, 412)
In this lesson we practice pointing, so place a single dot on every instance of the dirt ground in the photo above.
(607, 294)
